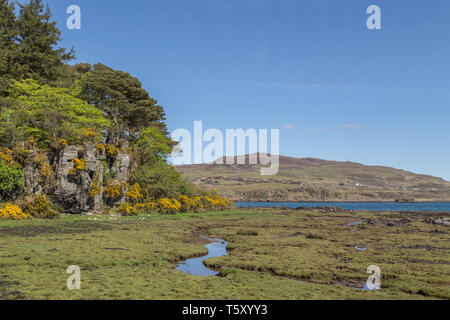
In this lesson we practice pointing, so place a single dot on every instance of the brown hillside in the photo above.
(310, 179)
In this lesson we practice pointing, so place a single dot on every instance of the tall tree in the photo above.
(8, 44)
(38, 56)
(123, 100)
(48, 114)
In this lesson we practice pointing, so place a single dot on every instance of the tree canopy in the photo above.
(123, 100)
(8, 42)
(29, 43)
(47, 114)
(47, 104)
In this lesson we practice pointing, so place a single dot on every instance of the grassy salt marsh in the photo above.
(274, 253)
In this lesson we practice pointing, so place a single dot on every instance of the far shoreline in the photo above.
(393, 202)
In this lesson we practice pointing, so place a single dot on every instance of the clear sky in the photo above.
(337, 90)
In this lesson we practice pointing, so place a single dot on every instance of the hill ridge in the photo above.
(316, 180)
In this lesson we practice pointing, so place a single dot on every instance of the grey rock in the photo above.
(121, 166)
(72, 193)
(32, 177)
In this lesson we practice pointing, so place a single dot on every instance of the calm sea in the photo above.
(371, 206)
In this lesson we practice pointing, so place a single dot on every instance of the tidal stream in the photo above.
(196, 267)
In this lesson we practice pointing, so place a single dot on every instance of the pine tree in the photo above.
(38, 56)
(8, 44)
(125, 103)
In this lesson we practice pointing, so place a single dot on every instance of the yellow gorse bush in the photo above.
(168, 206)
(212, 201)
(187, 203)
(101, 147)
(13, 212)
(96, 189)
(137, 205)
(134, 193)
(63, 143)
(79, 165)
(90, 133)
(216, 202)
(40, 207)
(7, 156)
(127, 209)
(114, 190)
(46, 170)
(111, 150)
(91, 136)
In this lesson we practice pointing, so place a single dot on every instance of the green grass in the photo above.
(274, 254)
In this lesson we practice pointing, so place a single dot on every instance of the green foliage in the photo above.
(8, 44)
(107, 174)
(161, 180)
(69, 75)
(152, 146)
(40, 207)
(48, 114)
(11, 180)
(123, 100)
(37, 55)
(266, 266)
(48, 104)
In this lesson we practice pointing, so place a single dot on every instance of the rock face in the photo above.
(83, 191)
(94, 168)
(32, 177)
(121, 166)
(71, 192)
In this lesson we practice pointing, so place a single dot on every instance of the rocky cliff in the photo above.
(76, 177)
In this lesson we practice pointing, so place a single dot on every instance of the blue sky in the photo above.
(336, 90)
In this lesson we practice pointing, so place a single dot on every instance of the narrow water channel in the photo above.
(218, 248)
(195, 266)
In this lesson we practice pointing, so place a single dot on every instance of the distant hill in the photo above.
(311, 179)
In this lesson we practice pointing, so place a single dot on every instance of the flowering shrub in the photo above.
(95, 188)
(134, 193)
(216, 202)
(171, 205)
(46, 172)
(111, 150)
(91, 135)
(78, 166)
(63, 143)
(168, 206)
(208, 202)
(198, 204)
(60, 144)
(11, 211)
(126, 209)
(150, 205)
(187, 204)
(7, 156)
(114, 190)
(40, 207)
(101, 148)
